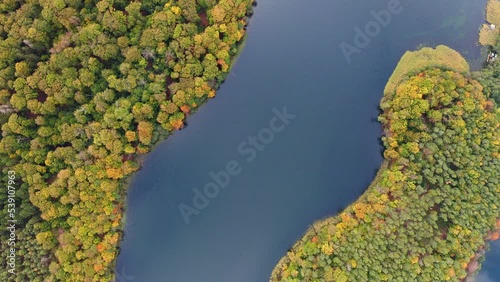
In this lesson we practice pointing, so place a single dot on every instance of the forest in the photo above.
(86, 87)
(489, 76)
(434, 203)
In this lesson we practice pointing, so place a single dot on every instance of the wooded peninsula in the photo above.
(435, 202)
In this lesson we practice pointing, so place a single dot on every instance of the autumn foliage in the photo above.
(435, 201)
(86, 86)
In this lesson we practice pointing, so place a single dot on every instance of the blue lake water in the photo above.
(321, 161)
(490, 271)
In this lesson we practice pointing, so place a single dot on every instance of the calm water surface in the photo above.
(490, 271)
(322, 161)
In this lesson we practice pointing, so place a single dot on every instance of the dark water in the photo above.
(490, 271)
(321, 161)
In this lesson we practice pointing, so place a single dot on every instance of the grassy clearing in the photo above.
(493, 12)
(413, 62)
(488, 37)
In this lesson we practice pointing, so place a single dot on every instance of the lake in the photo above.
(306, 167)
(490, 271)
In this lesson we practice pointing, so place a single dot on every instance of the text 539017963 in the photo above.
(11, 221)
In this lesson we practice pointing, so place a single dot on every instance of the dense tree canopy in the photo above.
(435, 201)
(489, 77)
(85, 86)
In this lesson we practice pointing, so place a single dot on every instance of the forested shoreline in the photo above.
(85, 88)
(434, 203)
